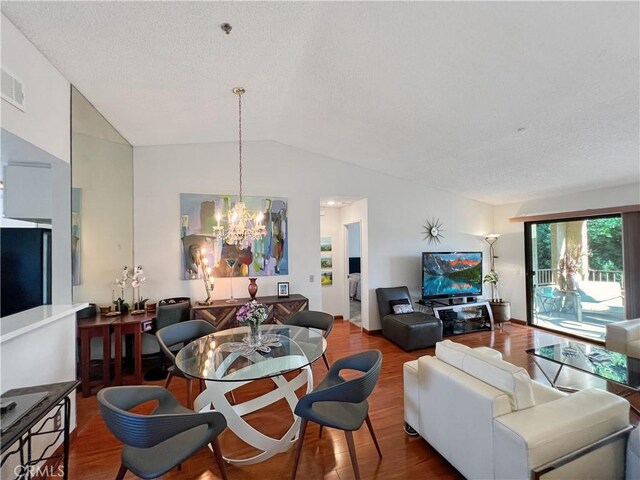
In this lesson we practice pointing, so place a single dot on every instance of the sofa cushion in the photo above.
(402, 309)
(633, 349)
(483, 364)
(451, 353)
(512, 380)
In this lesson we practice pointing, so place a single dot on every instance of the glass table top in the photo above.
(613, 366)
(220, 356)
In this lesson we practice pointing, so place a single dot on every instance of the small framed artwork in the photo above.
(326, 278)
(326, 261)
(283, 289)
(325, 244)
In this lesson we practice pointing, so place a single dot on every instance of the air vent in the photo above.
(12, 90)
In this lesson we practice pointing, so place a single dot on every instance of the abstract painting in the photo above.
(326, 278)
(267, 256)
(326, 261)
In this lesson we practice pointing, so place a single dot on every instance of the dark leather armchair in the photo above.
(408, 330)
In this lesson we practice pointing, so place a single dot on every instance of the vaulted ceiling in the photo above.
(498, 101)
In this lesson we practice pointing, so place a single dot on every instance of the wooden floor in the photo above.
(95, 453)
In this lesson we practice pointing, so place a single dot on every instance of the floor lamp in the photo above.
(492, 238)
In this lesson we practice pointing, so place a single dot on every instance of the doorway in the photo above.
(575, 283)
(353, 256)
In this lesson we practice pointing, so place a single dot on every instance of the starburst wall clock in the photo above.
(433, 231)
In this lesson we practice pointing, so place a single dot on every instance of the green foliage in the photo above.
(543, 231)
(605, 243)
(473, 274)
(492, 277)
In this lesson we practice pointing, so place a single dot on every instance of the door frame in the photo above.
(529, 273)
(346, 269)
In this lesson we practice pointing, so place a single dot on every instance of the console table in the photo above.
(54, 408)
(465, 317)
(222, 315)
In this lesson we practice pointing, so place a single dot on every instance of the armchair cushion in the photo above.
(624, 337)
(555, 428)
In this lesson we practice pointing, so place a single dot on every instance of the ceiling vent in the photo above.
(12, 90)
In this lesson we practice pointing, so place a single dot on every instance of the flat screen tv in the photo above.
(451, 274)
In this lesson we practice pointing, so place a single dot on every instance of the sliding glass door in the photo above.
(575, 277)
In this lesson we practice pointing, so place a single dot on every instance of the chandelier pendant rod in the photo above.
(240, 92)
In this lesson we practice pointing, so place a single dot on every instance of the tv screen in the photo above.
(451, 274)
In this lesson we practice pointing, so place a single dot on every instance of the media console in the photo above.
(464, 317)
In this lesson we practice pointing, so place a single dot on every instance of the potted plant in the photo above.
(500, 308)
(571, 266)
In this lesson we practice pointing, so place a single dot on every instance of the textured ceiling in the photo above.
(431, 91)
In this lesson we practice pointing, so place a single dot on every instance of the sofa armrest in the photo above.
(619, 334)
(527, 439)
(543, 393)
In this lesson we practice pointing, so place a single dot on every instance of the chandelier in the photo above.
(243, 227)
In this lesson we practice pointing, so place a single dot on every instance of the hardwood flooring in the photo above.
(95, 453)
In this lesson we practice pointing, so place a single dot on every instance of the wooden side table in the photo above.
(87, 329)
(222, 315)
(131, 325)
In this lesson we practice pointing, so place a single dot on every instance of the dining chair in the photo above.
(178, 334)
(340, 403)
(168, 312)
(313, 319)
(156, 443)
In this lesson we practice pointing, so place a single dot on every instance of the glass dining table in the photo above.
(227, 360)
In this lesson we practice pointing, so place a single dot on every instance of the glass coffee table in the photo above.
(611, 366)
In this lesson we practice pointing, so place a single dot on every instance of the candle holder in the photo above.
(209, 282)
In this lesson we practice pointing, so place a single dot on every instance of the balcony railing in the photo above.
(548, 275)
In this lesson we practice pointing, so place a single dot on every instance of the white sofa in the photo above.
(491, 421)
(624, 337)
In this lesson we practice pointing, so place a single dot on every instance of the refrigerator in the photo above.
(25, 269)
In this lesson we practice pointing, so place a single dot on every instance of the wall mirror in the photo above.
(102, 203)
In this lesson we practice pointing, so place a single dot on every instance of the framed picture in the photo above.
(325, 244)
(326, 261)
(326, 278)
(283, 289)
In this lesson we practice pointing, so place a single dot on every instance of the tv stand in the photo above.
(465, 318)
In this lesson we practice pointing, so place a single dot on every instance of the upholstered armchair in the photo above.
(624, 337)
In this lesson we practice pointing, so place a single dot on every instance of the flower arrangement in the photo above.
(138, 279)
(252, 314)
(121, 283)
(571, 262)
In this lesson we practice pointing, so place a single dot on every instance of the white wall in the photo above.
(333, 296)
(395, 211)
(354, 240)
(103, 170)
(45, 121)
(44, 125)
(510, 245)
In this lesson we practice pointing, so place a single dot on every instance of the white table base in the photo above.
(213, 398)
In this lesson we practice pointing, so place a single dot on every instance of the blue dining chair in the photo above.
(176, 335)
(313, 319)
(156, 443)
(340, 403)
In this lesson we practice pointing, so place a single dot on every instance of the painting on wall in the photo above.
(326, 278)
(325, 244)
(76, 195)
(326, 261)
(268, 256)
